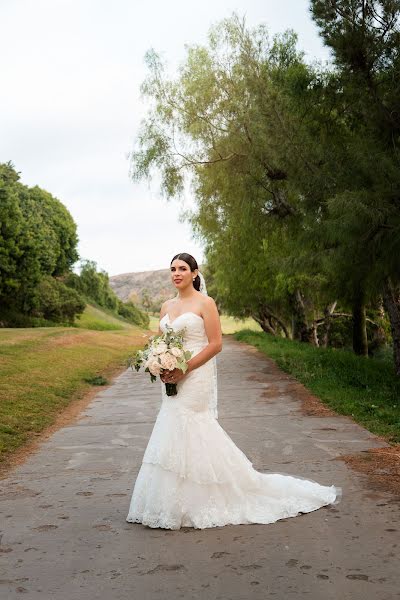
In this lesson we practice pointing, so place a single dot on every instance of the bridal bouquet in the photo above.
(163, 353)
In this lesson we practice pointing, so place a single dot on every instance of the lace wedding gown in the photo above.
(193, 474)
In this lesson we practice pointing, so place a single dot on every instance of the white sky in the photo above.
(70, 109)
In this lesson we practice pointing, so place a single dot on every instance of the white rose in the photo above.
(160, 348)
(177, 352)
(154, 367)
(168, 361)
(150, 359)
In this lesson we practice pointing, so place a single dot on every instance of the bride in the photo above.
(193, 474)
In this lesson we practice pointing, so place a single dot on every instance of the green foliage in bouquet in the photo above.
(163, 352)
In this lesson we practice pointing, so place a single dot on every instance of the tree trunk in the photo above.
(268, 321)
(360, 341)
(379, 337)
(313, 334)
(328, 322)
(302, 331)
(391, 299)
(299, 317)
(264, 322)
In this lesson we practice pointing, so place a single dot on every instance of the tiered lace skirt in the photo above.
(194, 475)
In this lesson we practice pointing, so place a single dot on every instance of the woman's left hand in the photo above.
(173, 376)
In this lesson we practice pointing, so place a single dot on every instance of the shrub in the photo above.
(132, 313)
(54, 301)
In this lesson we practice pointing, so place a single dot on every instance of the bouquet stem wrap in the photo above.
(171, 389)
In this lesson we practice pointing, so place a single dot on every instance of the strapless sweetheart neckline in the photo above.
(188, 312)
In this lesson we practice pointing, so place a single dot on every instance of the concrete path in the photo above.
(64, 534)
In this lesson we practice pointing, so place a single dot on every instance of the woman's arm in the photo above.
(212, 326)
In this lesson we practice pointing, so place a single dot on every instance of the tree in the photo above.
(54, 301)
(37, 238)
(60, 229)
(231, 121)
(283, 169)
(11, 230)
(364, 37)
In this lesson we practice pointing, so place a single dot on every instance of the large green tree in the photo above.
(37, 238)
(364, 214)
(11, 230)
(298, 221)
(231, 121)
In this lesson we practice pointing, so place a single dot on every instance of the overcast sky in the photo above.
(70, 109)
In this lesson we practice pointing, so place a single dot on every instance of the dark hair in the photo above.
(188, 258)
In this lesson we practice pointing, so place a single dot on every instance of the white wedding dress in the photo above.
(193, 474)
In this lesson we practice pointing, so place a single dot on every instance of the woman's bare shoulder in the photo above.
(165, 307)
(208, 303)
(168, 304)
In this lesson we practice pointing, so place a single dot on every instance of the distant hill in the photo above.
(157, 284)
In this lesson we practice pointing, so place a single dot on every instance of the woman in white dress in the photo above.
(193, 474)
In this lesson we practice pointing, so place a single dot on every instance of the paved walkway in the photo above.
(62, 513)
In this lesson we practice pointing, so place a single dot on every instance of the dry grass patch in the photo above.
(380, 465)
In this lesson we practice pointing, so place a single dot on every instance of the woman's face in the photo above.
(181, 274)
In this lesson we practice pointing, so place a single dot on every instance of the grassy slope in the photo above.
(42, 369)
(99, 320)
(366, 389)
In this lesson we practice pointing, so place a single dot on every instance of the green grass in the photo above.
(365, 389)
(153, 323)
(99, 320)
(42, 369)
(232, 325)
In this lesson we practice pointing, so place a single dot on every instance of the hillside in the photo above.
(159, 288)
(157, 284)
